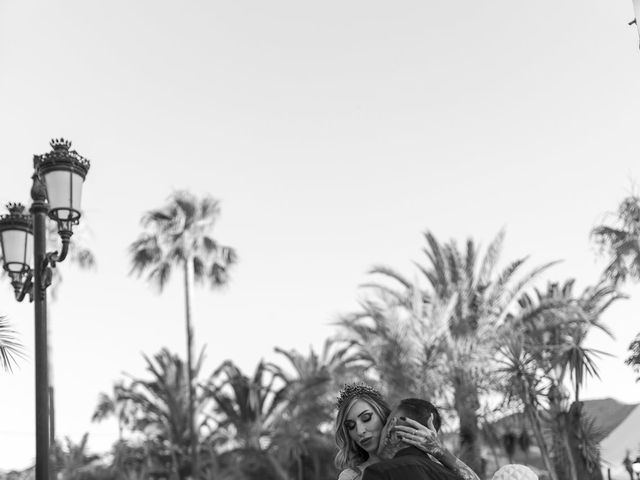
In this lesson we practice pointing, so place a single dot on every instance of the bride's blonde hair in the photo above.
(350, 454)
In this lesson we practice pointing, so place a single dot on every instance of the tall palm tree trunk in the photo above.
(466, 405)
(300, 467)
(278, 469)
(188, 276)
(492, 441)
(534, 419)
(562, 430)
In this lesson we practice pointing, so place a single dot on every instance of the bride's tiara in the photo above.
(354, 390)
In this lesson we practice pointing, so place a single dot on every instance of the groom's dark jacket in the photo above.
(408, 464)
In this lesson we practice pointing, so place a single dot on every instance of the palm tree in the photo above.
(10, 347)
(250, 408)
(74, 462)
(159, 407)
(130, 462)
(634, 356)
(524, 381)
(115, 405)
(544, 353)
(405, 360)
(621, 241)
(472, 298)
(178, 235)
(337, 360)
(316, 377)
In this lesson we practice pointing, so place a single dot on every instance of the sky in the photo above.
(334, 134)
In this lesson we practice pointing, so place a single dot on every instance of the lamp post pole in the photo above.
(39, 209)
(55, 193)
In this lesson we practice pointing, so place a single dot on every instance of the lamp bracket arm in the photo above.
(52, 258)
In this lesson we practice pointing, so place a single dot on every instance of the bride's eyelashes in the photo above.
(365, 417)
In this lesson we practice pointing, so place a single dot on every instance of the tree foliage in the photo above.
(444, 325)
(181, 231)
(10, 347)
(620, 241)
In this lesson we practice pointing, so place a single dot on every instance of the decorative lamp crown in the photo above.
(356, 390)
(17, 210)
(61, 158)
(60, 144)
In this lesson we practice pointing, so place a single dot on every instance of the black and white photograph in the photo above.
(319, 240)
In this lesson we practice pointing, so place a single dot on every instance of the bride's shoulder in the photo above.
(349, 474)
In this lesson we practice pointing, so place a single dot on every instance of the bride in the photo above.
(362, 414)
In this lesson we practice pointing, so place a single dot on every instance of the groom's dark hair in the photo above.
(420, 410)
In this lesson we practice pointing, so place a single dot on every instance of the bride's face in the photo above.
(364, 426)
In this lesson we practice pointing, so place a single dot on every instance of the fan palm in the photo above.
(10, 347)
(178, 235)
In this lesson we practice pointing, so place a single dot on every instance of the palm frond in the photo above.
(515, 292)
(10, 347)
(178, 231)
(491, 258)
(391, 273)
(435, 254)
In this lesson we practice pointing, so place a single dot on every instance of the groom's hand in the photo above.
(416, 434)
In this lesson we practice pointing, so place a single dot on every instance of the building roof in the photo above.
(607, 413)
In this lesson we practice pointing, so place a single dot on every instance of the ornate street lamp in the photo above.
(16, 241)
(57, 190)
(63, 172)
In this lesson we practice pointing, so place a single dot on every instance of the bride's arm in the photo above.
(426, 439)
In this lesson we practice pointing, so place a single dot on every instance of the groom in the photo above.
(399, 440)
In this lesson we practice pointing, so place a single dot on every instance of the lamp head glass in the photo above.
(16, 240)
(63, 172)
